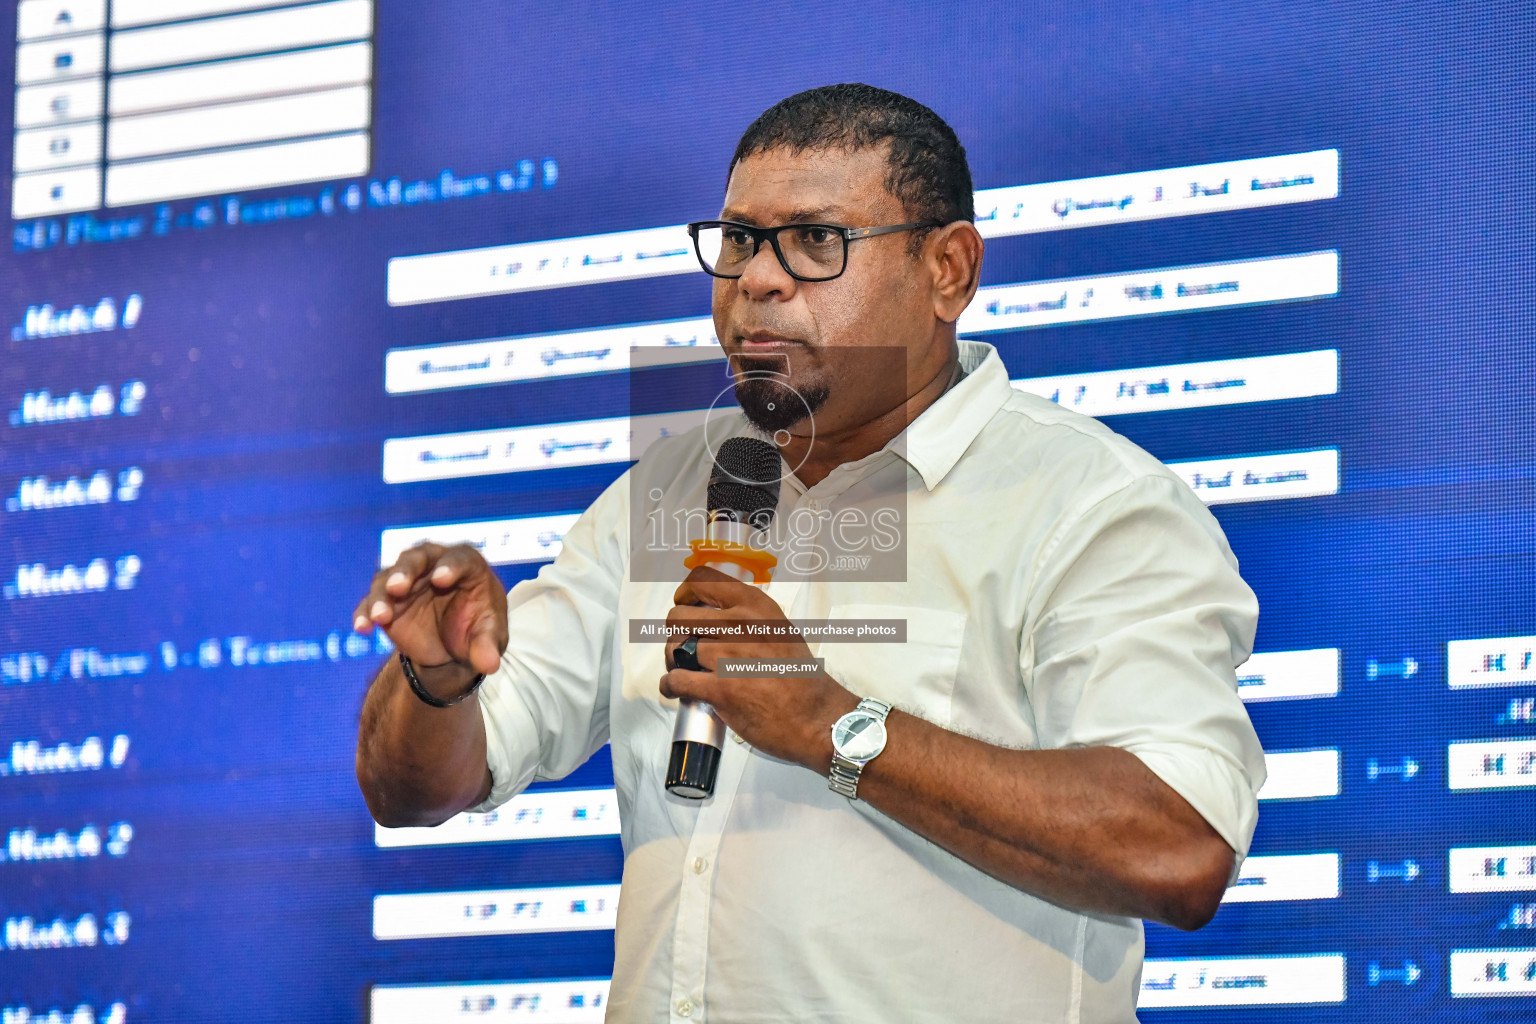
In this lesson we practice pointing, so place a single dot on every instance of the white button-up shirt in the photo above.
(1062, 589)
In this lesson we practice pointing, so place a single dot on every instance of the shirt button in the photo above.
(737, 737)
(685, 1007)
(699, 864)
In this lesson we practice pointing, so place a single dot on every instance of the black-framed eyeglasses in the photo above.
(807, 252)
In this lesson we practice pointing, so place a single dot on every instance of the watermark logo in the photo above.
(846, 521)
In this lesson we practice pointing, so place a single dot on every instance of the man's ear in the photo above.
(953, 254)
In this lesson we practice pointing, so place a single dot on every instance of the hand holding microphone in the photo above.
(788, 718)
(742, 497)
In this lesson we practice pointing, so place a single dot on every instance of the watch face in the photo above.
(858, 736)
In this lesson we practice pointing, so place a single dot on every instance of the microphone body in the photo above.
(744, 489)
(699, 734)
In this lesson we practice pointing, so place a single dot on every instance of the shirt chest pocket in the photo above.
(917, 676)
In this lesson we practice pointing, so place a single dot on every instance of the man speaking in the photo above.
(1064, 752)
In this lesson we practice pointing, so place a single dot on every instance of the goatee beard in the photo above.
(772, 405)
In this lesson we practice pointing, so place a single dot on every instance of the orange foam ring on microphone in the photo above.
(759, 563)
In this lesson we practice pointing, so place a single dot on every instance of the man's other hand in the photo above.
(442, 607)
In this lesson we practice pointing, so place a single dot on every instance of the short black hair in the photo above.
(927, 169)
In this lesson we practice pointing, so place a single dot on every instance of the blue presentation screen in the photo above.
(293, 286)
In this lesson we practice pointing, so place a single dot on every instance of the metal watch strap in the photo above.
(844, 777)
(425, 695)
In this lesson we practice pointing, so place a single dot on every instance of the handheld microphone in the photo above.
(743, 494)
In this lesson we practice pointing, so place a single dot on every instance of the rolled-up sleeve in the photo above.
(546, 709)
(1140, 625)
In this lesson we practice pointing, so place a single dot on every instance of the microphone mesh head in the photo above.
(744, 484)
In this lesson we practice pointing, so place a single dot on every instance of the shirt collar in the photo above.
(934, 442)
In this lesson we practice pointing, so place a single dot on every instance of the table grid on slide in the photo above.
(121, 102)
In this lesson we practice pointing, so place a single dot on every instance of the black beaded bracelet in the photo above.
(425, 696)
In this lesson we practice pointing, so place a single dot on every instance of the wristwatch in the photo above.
(857, 739)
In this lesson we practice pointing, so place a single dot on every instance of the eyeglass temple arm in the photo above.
(891, 229)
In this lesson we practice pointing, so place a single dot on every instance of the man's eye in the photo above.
(736, 236)
(817, 236)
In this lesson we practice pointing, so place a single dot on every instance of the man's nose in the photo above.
(765, 277)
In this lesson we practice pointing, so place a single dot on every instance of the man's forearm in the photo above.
(1089, 828)
(418, 765)
(1092, 829)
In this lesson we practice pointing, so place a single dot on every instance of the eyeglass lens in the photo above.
(810, 251)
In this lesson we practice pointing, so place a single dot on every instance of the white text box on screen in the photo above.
(225, 81)
(48, 192)
(1139, 293)
(524, 449)
(57, 147)
(541, 814)
(39, 19)
(64, 103)
(1289, 675)
(324, 112)
(661, 251)
(278, 163)
(1242, 981)
(56, 60)
(618, 439)
(429, 915)
(1490, 764)
(1491, 868)
(339, 21)
(132, 13)
(1272, 878)
(1191, 385)
(1153, 195)
(1301, 774)
(1497, 661)
(500, 541)
(582, 1001)
(1493, 972)
(1221, 382)
(1304, 474)
(485, 361)
(532, 266)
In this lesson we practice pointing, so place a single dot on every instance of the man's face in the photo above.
(768, 322)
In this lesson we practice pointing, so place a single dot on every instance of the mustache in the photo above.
(789, 332)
